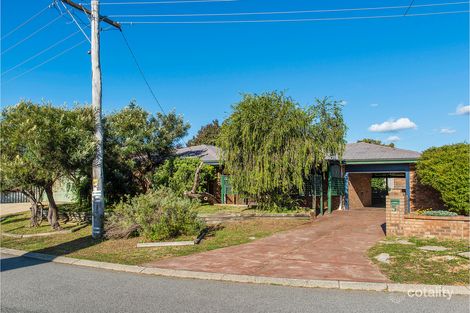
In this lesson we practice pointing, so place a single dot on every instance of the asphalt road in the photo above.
(29, 285)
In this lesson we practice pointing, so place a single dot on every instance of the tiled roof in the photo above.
(207, 153)
(362, 151)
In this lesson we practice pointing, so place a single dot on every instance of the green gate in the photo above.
(314, 189)
(335, 184)
(226, 188)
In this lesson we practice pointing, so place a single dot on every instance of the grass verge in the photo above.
(81, 245)
(409, 264)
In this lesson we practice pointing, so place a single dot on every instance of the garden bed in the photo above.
(410, 262)
(125, 251)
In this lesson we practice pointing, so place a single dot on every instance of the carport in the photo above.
(363, 162)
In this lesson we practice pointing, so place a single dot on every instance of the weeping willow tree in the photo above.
(271, 144)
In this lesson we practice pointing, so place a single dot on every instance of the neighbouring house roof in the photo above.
(360, 152)
(366, 152)
(207, 153)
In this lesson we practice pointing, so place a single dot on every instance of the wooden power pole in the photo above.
(97, 170)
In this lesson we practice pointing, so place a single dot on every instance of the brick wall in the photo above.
(409, 225)
(394, 215)
(399, 183)
(360, 191)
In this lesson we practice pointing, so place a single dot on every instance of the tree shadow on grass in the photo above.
(12, 219)
(46, 255)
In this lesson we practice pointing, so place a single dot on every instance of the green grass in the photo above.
(20, 224)
(223, 208)
(412, 265)
(241, 209)
(124, 251)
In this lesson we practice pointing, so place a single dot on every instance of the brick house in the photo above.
(348, 182)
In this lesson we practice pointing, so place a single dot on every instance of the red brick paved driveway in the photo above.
(331, 247)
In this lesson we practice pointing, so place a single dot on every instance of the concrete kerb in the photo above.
(291, 282)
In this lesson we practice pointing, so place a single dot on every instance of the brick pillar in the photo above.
(395, 213)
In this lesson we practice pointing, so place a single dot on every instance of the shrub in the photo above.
(439, 213)
(277, 202)
(157, 215)
(178, 174)
(446, 169)
(422, 211)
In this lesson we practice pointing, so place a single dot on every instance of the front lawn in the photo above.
(223, 208)
(241, 209)
(409, 264)
(81, 245)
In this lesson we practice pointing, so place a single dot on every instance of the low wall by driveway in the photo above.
(442, 227)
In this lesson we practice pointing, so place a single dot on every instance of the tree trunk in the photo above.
(203, 196)
(35, 219)
(34, 214)
(53, 213)
(196, 177)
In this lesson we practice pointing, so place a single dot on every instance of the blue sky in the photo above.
(411, 73)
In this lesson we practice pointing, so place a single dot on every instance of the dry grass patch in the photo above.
(409, 264)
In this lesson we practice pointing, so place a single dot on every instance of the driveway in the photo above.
(331, 247)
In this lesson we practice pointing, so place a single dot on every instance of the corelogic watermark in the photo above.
(425, 292)
(434, 292)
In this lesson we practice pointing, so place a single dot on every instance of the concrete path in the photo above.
(332, 247)
(30, 285)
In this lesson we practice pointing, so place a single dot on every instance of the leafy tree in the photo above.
(270, 144)
(207, 135)
(378, 183)
(447, 169)
(377, 142)
(41, 144)
(178, 174)
(136, 142)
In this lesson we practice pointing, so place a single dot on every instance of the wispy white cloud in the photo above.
(447, 131)
(393, 125)
(462, 110)
(374, 105)
(393, 138)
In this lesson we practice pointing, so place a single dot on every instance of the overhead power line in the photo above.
(134, 57)
(161, 2)
(75, 21)
(48, 60)
(32, 34)
(294, 20)
(291, 12)
(26, 22)
(40, 53)
(409, 7)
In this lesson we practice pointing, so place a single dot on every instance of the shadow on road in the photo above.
(12, 263)
(65, 248)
